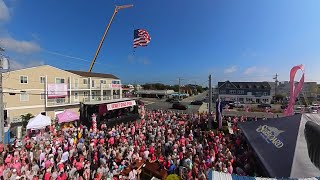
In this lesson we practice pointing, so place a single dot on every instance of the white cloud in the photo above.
(4, 11)
(231, 69)
(19, 46)
(14, 65)
(251, 70)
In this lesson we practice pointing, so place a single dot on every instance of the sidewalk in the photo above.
(203, 108)
(192, 98)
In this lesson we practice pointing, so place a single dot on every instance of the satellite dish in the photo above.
(4, 63)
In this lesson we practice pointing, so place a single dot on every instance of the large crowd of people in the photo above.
(177, 143)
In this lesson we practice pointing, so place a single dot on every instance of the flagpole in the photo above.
(210, 103)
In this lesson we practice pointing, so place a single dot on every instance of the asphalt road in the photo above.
(152, 103)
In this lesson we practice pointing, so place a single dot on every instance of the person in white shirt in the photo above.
(133, 174)
(65, 156)
(146, 154)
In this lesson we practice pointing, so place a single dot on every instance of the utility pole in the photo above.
(1, 99)
(275, 87)
(180, 79)
(210, 103)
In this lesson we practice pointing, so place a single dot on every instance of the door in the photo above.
(258, 101)
(92, 83)
(76, 83)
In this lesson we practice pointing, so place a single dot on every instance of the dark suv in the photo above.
(179, 106)
(264, 106)
(197, 102)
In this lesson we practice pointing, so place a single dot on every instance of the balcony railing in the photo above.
(57, 101)
(80, 86)
(97, 98)
(116, 96)
(106, 98)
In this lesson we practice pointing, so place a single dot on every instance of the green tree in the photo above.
(25, 119)
(199, 89)
(175, 88)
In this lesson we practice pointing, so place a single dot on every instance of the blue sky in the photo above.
(244, 40)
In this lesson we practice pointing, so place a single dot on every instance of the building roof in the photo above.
(247, 85)
(91, 74)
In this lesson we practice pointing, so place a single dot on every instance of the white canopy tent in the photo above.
(39, 122)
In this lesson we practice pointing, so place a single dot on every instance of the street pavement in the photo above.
(153, 103)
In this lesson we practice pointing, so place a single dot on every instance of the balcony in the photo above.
(97, 98)
(57, 101)
(79, 86)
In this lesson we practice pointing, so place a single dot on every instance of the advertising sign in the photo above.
(120, 105)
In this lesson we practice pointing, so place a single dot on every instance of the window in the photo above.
(115, 82)
(85, 94)
(93, 95)
(42, 96)
(265, 94)
(23, 79)
(85, 81)
(103, 81)
(42, 79)
(59, 80)
(24, 97)
(223, 92)
(76, 96)
(233, 92)
(92, 83)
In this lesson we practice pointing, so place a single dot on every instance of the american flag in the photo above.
(141, 38)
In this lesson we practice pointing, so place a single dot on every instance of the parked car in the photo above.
(264, 106)
(197, 102)
(179, 106)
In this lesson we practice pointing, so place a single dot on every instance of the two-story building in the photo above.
(49, 90)
(245, 92)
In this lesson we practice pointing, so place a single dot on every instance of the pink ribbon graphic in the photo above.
(294, 90)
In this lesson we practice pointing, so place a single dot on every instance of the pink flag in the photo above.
(294, 90)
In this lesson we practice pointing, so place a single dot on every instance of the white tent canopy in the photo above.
(39, 122)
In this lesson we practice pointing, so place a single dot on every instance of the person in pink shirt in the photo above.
(182, 141)
(151, 149)
(1, 169)
(230, 168)
(111, 141)
(47, 175)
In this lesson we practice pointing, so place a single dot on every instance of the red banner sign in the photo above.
(120, 105)
(115, 85)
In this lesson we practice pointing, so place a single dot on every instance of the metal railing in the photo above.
(116, 96)
(79, 86)
(57, 101)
